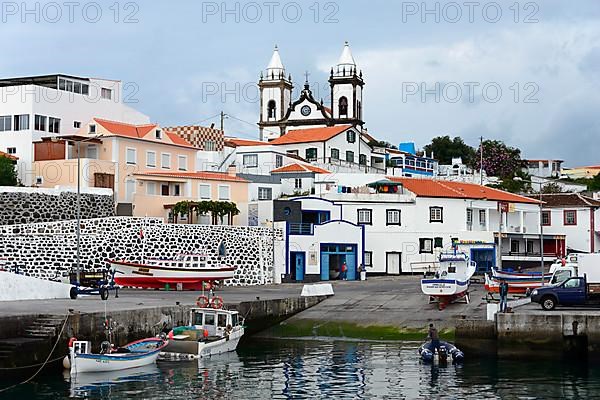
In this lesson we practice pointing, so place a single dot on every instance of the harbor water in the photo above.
(314, 369)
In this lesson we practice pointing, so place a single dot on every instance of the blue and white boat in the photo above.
(135, 354)
(451, 280)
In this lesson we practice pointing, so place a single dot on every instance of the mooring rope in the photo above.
(45, 362)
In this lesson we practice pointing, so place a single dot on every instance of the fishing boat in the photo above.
(136, 354)
(189, 271)
(211, 331)
(429, 354)
(522, 286)
(519, 276)
(451, 281)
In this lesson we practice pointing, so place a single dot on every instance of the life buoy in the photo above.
(202, 301)
(71, 341)
(216, 302)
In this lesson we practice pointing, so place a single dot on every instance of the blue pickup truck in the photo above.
(574, 291)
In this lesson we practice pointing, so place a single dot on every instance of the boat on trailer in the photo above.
(190, 271)
(136, 354)
(211, 330)
(519, 276)
(451, 281)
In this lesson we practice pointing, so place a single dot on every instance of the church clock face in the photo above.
(305, 110)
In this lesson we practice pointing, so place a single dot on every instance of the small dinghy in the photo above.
(136, 354)
(429, 354)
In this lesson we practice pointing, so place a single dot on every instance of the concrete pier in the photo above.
(29, 329)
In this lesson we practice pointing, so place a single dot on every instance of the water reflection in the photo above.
(329, 369)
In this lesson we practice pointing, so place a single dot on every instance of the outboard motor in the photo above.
(105, 347)
(442, 354)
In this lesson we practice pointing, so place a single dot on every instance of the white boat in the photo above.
(188, 270)
(211, 331)
(451, 280)
(90, 385)
(133, 355)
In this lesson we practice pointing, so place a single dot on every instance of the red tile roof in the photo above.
(203, 175)
(299, 168)
(9, 156)
(138, 131)
(235, 142)
(310, 135)
(441, 188)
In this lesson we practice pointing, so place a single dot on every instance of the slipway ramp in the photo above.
(20, 287)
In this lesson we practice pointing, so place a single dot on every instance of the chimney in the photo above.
(231, 170)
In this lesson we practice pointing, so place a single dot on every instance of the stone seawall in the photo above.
(48, 250)
(27, 205)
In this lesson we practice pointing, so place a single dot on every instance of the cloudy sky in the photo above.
(524, 72)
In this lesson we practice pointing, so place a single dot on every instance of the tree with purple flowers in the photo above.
(502, 161)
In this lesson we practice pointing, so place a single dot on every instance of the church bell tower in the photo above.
(346, 84)
(275, 97)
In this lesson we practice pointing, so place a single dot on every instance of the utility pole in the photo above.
(223, 115)
(481, 160)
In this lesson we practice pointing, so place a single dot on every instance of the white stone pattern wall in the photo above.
(27, 208)
(47, 250)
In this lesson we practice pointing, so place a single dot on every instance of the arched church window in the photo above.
(271, 109)
(343, 106)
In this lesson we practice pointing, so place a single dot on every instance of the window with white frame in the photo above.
(436, 214)
(92, 128)
(39, 123)
(204, 191)
(368, 258)
(224, 192)
(151, 159)
(131, 156)
(5, 123)
(11, 150)
(158, 134)
(298, 183)
(351, 136)
(265, 193)
(92, 151)
(365, 217)
(392, 217)
(335, 154)
(165, 160)
(76, 124)
(106, 93)
(21, 122)
(482, 217)
(53, 125)
(151, 188)
(182, 163)
(250, 160)
(129, 189)
(209, 145)
(469, 217)
(425, 245)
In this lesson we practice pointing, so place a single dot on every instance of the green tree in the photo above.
(552, 187)
(382, 143)
(8, 172)
(445, 149)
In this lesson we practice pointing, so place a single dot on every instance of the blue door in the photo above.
(298, 265)
(573, 291)
(324, 266)
(332, 258)
(484, 258)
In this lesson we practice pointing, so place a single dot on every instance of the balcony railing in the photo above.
(347, 164)
(301, 229)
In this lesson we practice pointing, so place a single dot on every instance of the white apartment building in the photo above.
(51, 105)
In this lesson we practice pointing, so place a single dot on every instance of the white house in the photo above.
(545, 168)
(408, 222)
(40, 106)
(576, 216)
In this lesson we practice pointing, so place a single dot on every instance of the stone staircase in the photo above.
(43, 329)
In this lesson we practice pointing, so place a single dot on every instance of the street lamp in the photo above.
(78, 229)
(519, 179)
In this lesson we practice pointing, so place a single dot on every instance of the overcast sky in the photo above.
(524, 72)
